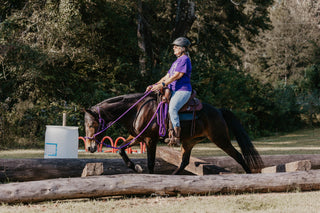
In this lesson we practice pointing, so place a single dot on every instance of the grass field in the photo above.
(299, 142)
(295, 202)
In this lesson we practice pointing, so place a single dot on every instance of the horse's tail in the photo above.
(249, 153)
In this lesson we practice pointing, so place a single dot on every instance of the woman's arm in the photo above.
(176, 76)
(158, 84)
(165, 81)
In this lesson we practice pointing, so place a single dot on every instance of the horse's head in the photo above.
(91, 120)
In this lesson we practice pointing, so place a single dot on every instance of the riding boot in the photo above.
(175, 140)
(177, 131)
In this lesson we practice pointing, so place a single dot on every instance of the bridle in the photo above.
(161, 113)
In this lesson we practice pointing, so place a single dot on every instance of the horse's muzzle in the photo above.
(92, 149)
(91, 145)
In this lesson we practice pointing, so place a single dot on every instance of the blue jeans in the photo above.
(178, 99)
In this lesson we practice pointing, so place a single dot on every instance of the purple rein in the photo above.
(161, 113)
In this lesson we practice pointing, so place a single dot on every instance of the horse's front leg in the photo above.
(151, 153)
(185, 155)
(126, 159)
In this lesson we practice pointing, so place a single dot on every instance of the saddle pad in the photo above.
(186, 116)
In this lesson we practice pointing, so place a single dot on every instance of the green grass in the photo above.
(308, 137)
(39, 153)
(294, 202)
(298, 142)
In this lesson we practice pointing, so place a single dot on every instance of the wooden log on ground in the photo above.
(302, 165)
(268, 160)
(144, 184)
(92, 169)
(196, 165)
(40, 169)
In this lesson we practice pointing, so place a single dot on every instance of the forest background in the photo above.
(259, 58)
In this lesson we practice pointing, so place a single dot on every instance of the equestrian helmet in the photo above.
(182, 42)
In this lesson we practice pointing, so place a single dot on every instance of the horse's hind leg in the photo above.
(231, 151)
(226, 146)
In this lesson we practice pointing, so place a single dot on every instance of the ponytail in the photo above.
(187, 53)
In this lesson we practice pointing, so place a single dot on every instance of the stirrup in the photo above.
(174, 142)
(170, 136)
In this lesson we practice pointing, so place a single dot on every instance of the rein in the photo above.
(161, 113)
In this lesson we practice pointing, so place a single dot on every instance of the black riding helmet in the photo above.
(182, 42)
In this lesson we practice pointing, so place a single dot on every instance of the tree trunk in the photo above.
(141, 40)
(144, 184)
(185, 16)
(302, 165)
(268, 160)
(39, 169)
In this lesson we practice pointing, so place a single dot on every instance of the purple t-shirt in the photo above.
(182, 64)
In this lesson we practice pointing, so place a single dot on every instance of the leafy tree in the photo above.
(283, 52)
(218, 28)
(65, 55)
(61, 51)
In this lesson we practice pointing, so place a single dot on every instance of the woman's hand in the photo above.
(156, 87)
(149, 88)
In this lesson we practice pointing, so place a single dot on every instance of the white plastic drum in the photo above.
(61, 142)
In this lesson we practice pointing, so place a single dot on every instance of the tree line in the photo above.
(259, 58)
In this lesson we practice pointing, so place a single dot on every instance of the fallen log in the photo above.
(268, 160)
(302, 165)
(40, 169)
(92, 169)
(144, 184)
(195, 166)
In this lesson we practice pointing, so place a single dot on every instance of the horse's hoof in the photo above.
(138, 168)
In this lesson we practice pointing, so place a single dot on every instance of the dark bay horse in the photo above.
(211, 123)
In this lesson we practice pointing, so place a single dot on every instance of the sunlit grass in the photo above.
(266, 203)
(298, 142)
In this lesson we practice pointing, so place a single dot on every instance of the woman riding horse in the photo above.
(178, 81)
(136, 113)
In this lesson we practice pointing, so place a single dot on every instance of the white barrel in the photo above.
(61, 142)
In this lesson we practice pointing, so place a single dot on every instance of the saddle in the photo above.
(192, 106)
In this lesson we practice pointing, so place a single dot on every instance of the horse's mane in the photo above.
(110, 106)
(122, 98)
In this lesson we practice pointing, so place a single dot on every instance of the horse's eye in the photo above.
(91, 125)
